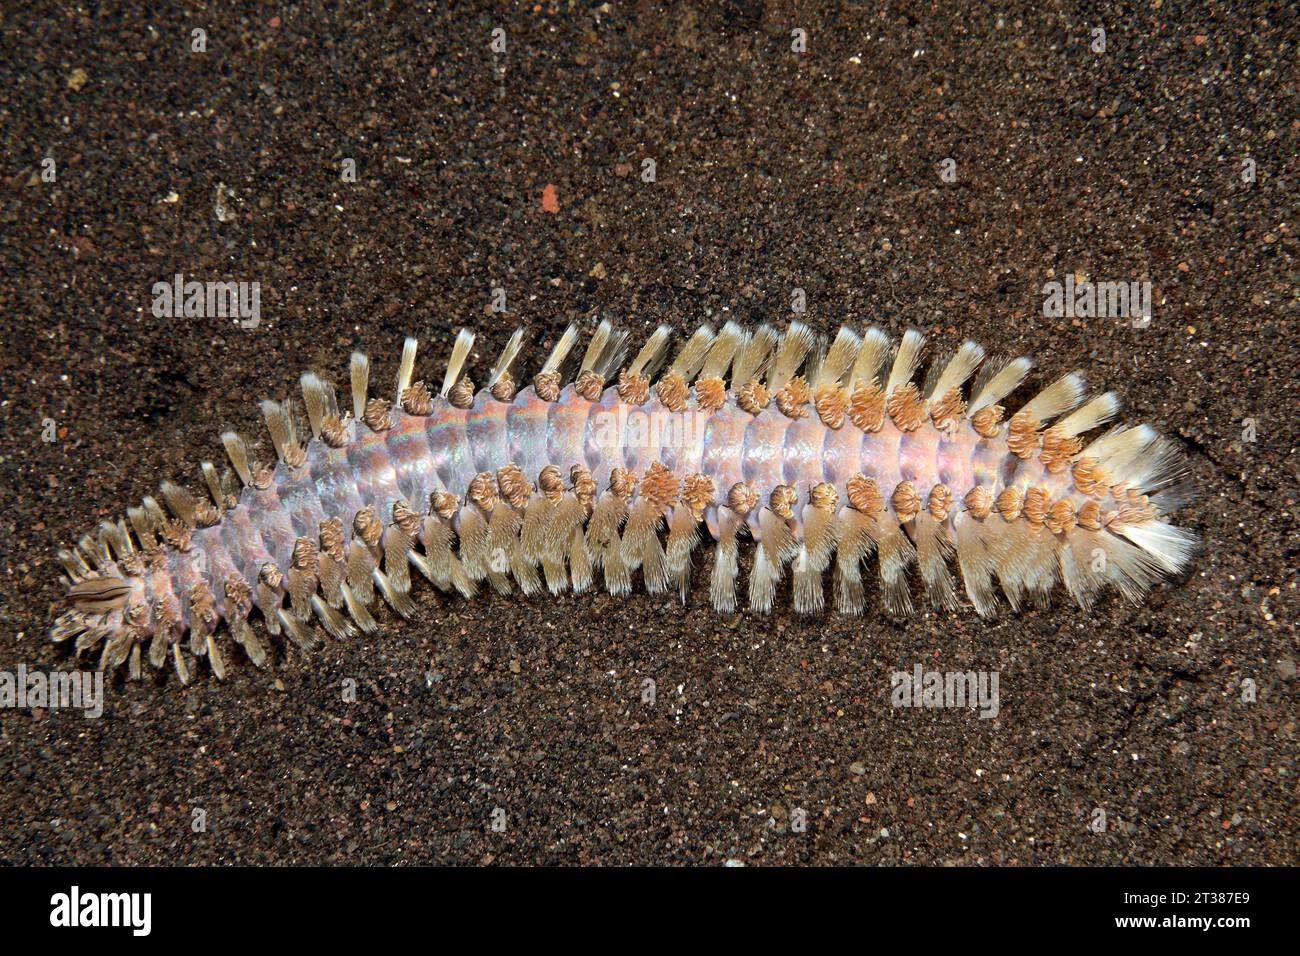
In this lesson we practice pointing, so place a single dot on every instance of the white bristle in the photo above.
(1096, 412)
(507, 358)
(651, 353)
(315, 396)
(1171, 548)
(1000, 385)
(561, 351)
(237, 451)
(839, 358)
(360, 374)
(407, 369)
(871, 358)
(906, 361)
(961, 367)
(1057, 399)
(459, 354)
(794, 348)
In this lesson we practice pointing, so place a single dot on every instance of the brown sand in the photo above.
(773, 171)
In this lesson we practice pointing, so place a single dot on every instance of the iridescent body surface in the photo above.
(446, 449)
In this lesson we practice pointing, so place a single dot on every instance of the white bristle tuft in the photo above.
(154, 510)
(237, 451)
(606, 350)
(651, 354)
(692, 353)
(213, 483)
(723, 350)
(1155, 465)
(871, 358)
(360, 374)
(1095, 413)
(595, 348)
(839, 358)
(407, 369)
(794, 348)
(280, 424)
(1057, 399)
(1171, 548)
(561, 351)
(456, 364)
(508, 356)
(753, 355)
(1120, 445)
(179, 500)
(1001, 385)
(906, 361)
(316, 398)
(961, 367)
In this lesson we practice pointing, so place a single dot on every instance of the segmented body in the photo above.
(806, 476)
